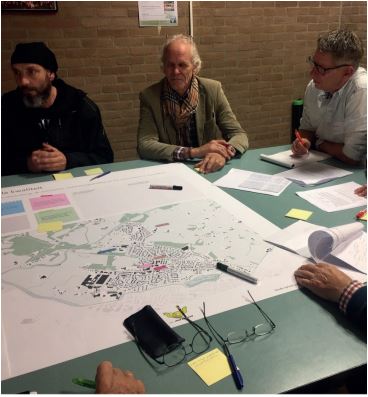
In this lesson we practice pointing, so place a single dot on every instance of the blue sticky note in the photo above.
(12, 207)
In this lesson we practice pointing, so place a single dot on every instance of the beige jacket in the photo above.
(214, 119)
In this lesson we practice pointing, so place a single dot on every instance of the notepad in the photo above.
(211, 367)
(342, 245)
(289, 160)
(62, 176)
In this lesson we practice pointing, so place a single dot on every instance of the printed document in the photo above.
(256, 182)
(314, 174)
(334, 198)
(290, 160)
(342, 245)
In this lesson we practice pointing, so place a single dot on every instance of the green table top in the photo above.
(312, 340)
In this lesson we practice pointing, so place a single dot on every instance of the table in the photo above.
(313, 340)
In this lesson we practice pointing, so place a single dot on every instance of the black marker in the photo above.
(237, 273)
(166, 187)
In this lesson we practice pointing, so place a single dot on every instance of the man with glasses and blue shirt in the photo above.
(334, 118)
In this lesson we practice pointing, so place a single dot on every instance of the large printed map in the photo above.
(105, 259)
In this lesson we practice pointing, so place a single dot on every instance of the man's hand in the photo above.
(361, 191)
(324, 280)
(335, 149)
(46, 159)
(212, 162)
(218, 146)
(111, 380)
(300, 149)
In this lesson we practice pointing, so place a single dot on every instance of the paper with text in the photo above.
(314, 174)
(342, 245)
(253, 182)
(334, 198)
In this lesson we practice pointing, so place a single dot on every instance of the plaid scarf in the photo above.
(180, 111)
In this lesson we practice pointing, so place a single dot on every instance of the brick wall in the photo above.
(256, 49)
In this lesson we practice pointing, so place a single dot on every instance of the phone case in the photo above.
(154, 336)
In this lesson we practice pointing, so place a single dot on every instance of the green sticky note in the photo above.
(57, 215)
(93, 171)
(62, 176)
(299, 214)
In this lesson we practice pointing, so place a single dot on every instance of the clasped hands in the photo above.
(214, 155)
(48, 158)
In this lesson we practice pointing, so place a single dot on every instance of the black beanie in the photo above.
(36, 52)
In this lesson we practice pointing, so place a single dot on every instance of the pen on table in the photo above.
(84, 382)
(236, 273)
(234, 368)
(299, 138)
(100, 175)
(361, 213)
(166, 187)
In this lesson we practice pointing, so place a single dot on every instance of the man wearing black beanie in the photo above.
(48, 125)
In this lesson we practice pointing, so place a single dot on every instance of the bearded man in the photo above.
(48, 125)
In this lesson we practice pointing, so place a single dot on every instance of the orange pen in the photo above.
(361, 213)
(299, 137)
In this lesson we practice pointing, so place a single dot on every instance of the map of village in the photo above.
(102, 260)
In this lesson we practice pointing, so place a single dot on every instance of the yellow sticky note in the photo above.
(93, 171)
(299, 214)
(50, 227)
(211, 367)
(62, 176)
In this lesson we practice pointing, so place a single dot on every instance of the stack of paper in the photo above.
(290, 160)
(314, 174)
(342, 245)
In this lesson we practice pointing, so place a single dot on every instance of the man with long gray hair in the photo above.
(334, 117)
(185, 116)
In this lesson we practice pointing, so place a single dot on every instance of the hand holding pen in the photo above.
(300, 145)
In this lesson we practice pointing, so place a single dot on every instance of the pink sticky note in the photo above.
(49, 201)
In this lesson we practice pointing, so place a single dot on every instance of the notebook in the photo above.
(289, 160)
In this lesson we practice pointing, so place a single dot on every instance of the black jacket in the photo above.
(72, 124)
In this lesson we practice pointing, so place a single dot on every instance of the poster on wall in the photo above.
(158, 13)
(29, 6)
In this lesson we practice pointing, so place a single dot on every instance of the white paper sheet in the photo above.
(334, 198)
(289, 160)
(314, 174)
(253, 182)
(342, 245)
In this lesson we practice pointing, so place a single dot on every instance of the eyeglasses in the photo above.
(244, 335)
(177, 353)
(320, 69)
(257, 330)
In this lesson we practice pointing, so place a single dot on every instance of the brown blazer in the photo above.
(214, 119)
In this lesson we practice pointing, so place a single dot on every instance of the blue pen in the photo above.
(100, 175)
(234, 369)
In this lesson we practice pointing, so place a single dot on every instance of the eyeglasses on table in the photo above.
(263, 328)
